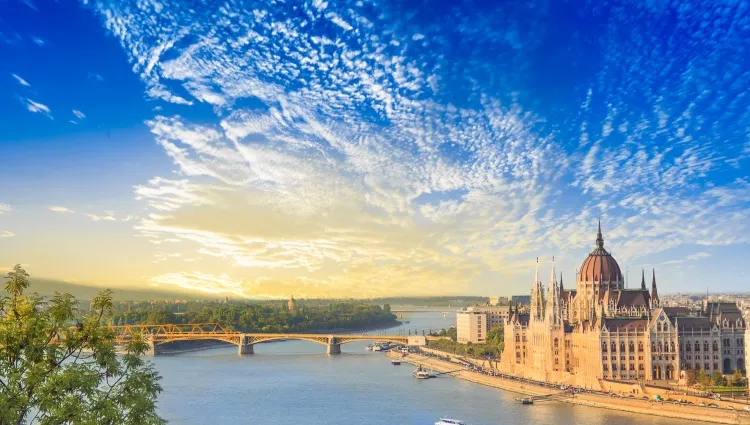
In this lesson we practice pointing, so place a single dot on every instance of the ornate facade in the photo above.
(601, 330)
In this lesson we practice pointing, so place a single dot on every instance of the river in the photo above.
(295, 382)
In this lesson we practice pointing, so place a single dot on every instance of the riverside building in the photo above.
(600, 330)
(473, 323)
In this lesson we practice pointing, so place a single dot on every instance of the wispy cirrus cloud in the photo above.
(6, 234)
(5, 208)
(20, 80)
(59, 209)
(107, 216)
(351, 152)
(80, 115)
(35, 107)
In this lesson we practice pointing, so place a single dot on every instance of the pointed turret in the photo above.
(561, 284)
(554, 312)
(599, 237)
(537, 296)
(643, 279)
(654, 294)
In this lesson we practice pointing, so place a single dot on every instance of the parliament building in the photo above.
(603, 331)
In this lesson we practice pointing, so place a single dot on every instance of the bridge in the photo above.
(400, 310)
(157, 335)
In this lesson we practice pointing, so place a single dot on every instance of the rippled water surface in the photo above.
(295, 382)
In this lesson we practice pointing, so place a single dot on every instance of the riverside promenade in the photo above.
(722, 414)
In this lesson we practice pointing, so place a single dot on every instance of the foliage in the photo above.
(691, 376)
(269, 317)
(703, 378)
(718, 379)
(737, 378)
(54, 370)
(493, 346)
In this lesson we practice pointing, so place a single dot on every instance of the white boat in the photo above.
(446, 421)
(377, 348)
(368, 347)
(395, 362)
(421, 374)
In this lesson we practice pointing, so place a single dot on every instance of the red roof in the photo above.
(600, 266)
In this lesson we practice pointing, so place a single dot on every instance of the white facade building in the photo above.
(471, 326)
(491, 316)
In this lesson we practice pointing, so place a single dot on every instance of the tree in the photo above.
(703, 378)
(691, 377)
(57, 368)
(718, 379)
(737, 377)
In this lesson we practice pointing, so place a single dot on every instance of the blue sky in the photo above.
(360, 148)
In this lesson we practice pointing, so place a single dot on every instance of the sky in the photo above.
(368, 148)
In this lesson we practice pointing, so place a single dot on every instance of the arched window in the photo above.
(518, 338)
(688, 347)
(613, 346)
(556, 343)
(640, 347)
(716, 346)
(671, 346)
(604, 347)
(631, 347)
(705, 345)
(697, 346)
(622, 347)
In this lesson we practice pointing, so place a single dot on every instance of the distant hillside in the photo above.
(48, 287)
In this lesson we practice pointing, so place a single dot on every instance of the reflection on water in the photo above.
(295, 382)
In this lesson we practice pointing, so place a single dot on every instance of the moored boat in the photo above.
(446, 421)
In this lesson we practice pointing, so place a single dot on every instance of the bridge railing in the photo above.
(170, 331)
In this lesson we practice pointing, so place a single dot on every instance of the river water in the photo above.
(295, 382)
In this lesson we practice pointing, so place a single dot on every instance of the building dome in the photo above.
(600, 266)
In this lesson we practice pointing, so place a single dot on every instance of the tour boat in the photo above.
(446, 421)
(421, 374)
(528, 400)
(368, 347)
(395, 362)
(377, 348)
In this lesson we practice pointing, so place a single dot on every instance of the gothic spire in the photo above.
(561, 284)
(643, 279)
(599, 238)
(654, 294)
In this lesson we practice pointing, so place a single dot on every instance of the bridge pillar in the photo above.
(333, 347)
(244, 347)
(154, 349)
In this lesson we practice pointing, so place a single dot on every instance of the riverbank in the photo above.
(720, 415)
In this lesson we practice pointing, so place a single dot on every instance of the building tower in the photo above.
(537, 297)
(553, 312)
(654, 295)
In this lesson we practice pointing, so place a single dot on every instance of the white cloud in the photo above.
(38, 41)
(60, 209)
(35, 107)
(80, 115)
(6, 234)
(351, 140)
(107, 216)
(4, 208)
(20, 80)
